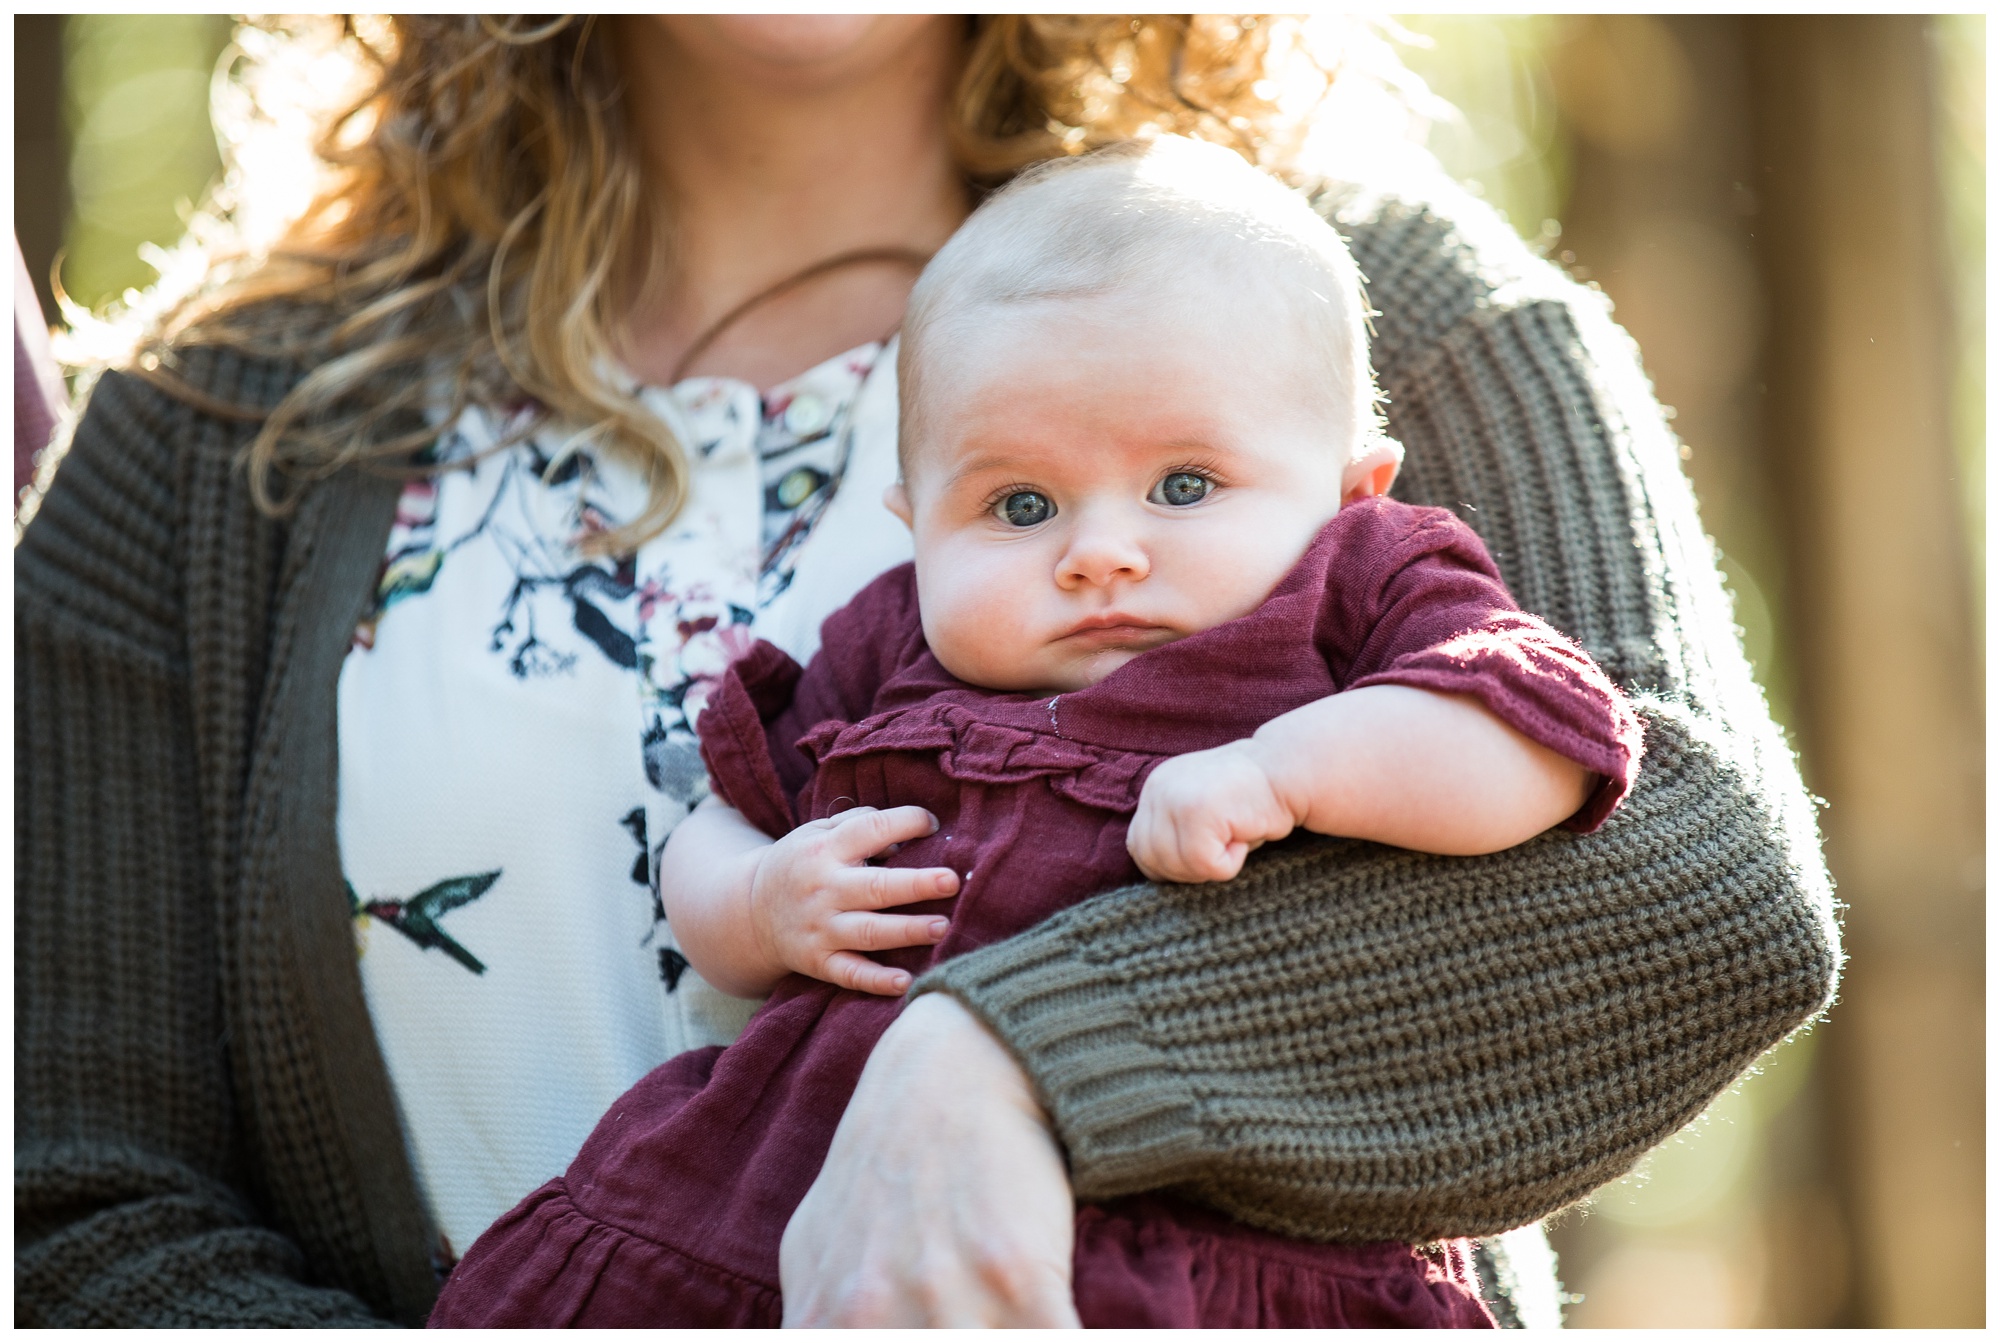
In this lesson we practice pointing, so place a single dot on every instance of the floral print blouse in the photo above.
(516, 743)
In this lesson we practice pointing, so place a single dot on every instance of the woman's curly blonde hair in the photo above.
(487, 219)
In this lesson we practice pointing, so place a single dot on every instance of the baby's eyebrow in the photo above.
(1204, 445)
(978, 466)
(1014, 463)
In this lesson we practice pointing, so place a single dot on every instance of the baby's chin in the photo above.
(1079, 673)
(1056, 672)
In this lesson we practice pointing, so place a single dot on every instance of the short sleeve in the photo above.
(1415, 600)
(735, 740)
(755, 718)
(861, 647)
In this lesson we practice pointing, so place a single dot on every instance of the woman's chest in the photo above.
(516, 736)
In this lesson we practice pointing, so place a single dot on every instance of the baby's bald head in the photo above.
(1166, 232)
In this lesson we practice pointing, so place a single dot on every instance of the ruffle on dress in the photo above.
(734, 746)
(967, 747)
(970, 749)
(1143, 1262)
(1155, 1262)
(556, 1266)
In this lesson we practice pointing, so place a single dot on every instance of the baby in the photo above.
(1161, 613)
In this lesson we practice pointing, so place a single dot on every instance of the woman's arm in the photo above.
(904, 1234)
(1354, 1042)
(133, 1195)
(1461, 1046)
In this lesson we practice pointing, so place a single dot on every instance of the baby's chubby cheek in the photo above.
(1225, 571)
(978, 620)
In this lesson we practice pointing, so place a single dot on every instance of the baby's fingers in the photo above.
(887, 887)
(1161, 859)
(865, 832)
(1168, 848)
(863, 975)
(881, 932)
(1171, 865)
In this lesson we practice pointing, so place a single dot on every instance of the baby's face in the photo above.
(1087, 481)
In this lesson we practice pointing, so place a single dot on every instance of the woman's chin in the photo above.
(792, 39)
(792, 46)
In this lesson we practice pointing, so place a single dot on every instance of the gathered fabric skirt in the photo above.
(672, 1213)
(1142, 1262)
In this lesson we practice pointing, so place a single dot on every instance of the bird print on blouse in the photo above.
(417, 917)
(545, 498)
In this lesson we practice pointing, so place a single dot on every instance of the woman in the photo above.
(272, 692)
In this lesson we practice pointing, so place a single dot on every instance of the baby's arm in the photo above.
(1420, 770)
(747, 910)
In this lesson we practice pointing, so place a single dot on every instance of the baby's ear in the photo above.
(1370, 474)
(897, 500)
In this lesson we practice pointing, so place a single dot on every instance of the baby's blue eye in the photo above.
(1026, 508)
(1181, 488)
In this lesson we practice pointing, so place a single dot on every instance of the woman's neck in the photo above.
(770, 162)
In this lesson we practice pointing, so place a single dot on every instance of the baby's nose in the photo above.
(1099, 556)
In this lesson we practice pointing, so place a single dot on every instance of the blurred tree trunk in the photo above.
(1666, 215)
(41, 147)
(1890, 717)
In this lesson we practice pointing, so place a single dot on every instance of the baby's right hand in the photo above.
(1201, 814)
(812, 897)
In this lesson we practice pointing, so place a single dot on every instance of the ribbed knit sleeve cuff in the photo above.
(1125, 1115)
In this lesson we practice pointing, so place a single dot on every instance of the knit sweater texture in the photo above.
(1347, 1042)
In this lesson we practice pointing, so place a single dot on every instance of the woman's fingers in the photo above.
(883, 932)
(864, 832)
(859, 973)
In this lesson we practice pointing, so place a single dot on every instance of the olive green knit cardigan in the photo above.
(1348, 1041)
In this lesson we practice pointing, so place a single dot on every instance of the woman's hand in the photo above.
(943, 1200)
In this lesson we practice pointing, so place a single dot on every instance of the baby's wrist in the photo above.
(1285, 771)
(757, 900)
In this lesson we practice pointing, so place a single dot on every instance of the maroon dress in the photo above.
(672, 1212)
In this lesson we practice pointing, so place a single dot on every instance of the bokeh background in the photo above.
(1789, 215)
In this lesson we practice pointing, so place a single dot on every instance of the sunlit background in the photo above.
(1788, 214)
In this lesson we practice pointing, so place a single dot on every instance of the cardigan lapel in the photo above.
(319, 1101)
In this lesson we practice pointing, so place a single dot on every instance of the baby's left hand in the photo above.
(1200, 815)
